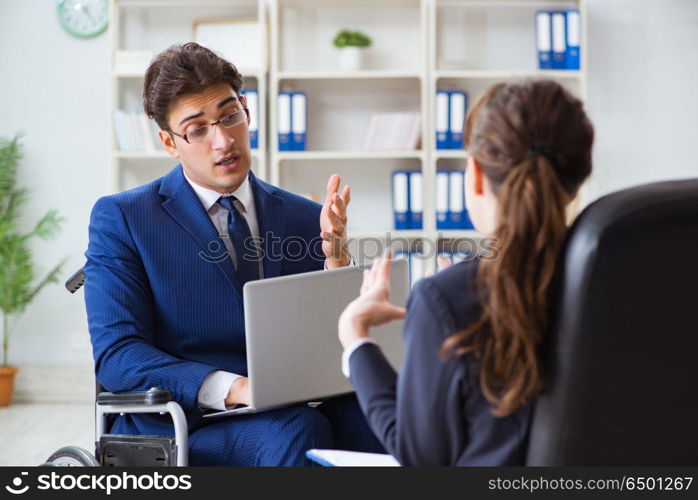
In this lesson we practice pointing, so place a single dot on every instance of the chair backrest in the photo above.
(622, 360)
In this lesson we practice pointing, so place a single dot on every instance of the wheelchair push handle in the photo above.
(75, 281)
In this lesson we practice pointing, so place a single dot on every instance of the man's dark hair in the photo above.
(182, 70)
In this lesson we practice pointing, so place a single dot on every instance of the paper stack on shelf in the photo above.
(392, 131)
(135, 132)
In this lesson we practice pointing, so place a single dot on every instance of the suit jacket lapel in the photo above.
(182, 204)
(271, 218)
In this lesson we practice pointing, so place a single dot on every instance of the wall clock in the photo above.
(83, 18)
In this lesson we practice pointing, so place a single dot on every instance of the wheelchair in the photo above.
(121, 450)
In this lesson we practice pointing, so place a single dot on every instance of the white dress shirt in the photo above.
(216, 385)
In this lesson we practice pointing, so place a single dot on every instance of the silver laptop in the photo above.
(293, 353)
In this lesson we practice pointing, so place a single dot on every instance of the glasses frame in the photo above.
(212, 124)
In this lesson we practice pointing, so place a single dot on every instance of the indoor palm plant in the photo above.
(351, 45)
(18, 286)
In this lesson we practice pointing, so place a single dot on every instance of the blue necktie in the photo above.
(239, 232)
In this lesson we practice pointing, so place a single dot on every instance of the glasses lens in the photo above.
(198, 134)
(233, 119)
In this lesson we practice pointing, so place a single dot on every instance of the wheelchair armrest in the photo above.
(153, 396)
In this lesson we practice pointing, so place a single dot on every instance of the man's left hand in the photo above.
(333, 224)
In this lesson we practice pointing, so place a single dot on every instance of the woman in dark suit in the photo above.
(472, 332)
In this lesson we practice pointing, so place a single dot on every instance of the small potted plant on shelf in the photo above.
(17, 271)
(351, 46)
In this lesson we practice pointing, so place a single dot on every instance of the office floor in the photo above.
(29, 433)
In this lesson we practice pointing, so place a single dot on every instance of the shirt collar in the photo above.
(209, 197)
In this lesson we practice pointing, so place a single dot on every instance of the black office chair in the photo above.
(112, 450)
(621, 363)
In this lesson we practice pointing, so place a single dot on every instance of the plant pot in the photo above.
(7, 383)
(350, 58)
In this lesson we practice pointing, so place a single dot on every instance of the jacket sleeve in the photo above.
(418, 414)
(120, 316)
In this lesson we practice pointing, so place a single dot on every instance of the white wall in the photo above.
(643, 99)
(643, 91)
(54, 88)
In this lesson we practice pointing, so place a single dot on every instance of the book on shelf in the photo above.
(399, 131)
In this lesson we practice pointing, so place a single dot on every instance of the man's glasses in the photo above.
(202, 134)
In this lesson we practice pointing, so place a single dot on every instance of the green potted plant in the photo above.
(18, 286)
(351, 46)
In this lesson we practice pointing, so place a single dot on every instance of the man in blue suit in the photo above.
(167, 261)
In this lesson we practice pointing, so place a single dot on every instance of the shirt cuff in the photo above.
(350, 350)
(215, 389)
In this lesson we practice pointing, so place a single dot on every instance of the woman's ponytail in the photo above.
(533, 182)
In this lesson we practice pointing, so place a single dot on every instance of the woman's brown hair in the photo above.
(532, 141)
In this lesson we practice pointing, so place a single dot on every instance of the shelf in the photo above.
(348, 155)
(506, 75)
(453, 234)
(140, 73)
(150, 155)
(146, 4)
(140, 155)
(450, 153)
(388, 233)
(346, 75)
(535, 4)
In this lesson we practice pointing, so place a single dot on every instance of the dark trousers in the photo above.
(281, 437)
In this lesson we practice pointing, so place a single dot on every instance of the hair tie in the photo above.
(541, 150)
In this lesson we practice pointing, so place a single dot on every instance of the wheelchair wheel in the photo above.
(72, 456)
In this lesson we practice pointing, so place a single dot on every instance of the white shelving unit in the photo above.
(419, 46)
(146, 27)
(394, 79)
(477, 43)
